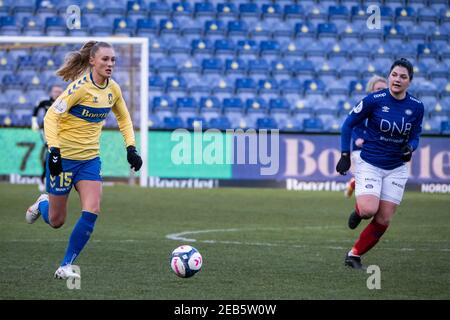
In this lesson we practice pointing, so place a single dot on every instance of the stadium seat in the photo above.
(212, 65)
(259, 66)
(293, 11)
(405, 16)
(136, 10)
(221, 123)
(146, 27)
(159, 10)
(227, 10)
(224, 48)
(235, 66)
(266, 123)
(312, 125)
(174, 122)
(247, 47)
(182, 9)
(196, 122)
(210, 107)
(245, 85)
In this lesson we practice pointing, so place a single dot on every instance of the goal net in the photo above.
(27, 72)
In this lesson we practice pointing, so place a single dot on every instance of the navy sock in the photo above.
(79, 237)
(43, 209)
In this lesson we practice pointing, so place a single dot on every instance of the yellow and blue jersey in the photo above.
(74, 121)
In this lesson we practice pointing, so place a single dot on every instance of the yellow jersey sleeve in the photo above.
(73, 94)
(123, 117)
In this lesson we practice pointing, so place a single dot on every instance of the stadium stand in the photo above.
(214, 61)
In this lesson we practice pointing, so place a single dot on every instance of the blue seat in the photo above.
(327, 30)
(293, 11)
(224, 46)
(156, 83)
(278, 105)
(210, 103)
(271, 11)
(268, 86)
(314, 86)
(269, 47)
(176, 83)
(280, 67)
(266, 123)
(221, 123)
(338, 13)
(214, 27)
(159, 9)
(186, 104)
(169, 26)
(162, 103)
(235, 66)
(256, 105)
(395, 34)
(173, 122)
(312, 125)
(182, 8)
(260, 66)
(247, 10)
(204, 9)
(9, 26)
(291, 85)
(245, 85)
(123, 26)
(228, 9)
(303, 67)
(405, 16)
(136, 9)
(304, 30)
(237, 28)
(233, 104)
(201, 46)
(196, 122)
(55, 25)
(146, 27)
(247, 47)
(445, 127)
(212, 65)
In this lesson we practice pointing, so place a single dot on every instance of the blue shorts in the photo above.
(73, 171)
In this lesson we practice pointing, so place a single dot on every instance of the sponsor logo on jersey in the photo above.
(85, 113)
(60, 106)
(379, 95)
(414, 99)
(385, 109)
(369, 186)
(357, 108)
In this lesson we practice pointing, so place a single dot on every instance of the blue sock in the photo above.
(43, 209)
(79, 237)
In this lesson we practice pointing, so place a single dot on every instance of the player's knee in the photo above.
(56, 222)
(367, 211)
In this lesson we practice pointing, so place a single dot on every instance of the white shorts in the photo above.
(388, 185)
(355, 156)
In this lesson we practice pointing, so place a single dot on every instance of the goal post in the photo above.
(143, 79)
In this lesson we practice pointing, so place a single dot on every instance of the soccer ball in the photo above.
(186, 261)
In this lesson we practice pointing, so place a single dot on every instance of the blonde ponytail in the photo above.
(76, 63)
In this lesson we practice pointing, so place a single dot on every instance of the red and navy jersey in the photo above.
(391, 124)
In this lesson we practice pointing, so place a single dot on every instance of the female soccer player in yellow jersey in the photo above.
(72, 129)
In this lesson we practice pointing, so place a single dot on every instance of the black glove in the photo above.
(344, 163)
(406, 153)
(134, 159)
(54, 162)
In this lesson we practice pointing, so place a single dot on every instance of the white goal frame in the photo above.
(143, 42)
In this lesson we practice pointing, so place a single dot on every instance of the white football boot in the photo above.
(66, 272)
(33, 211)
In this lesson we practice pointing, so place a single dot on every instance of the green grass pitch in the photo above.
(256, 244)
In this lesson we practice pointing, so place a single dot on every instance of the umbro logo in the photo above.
(385, 109)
